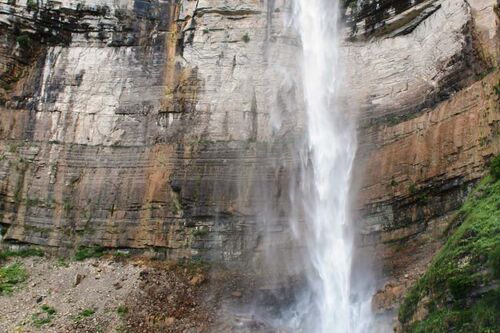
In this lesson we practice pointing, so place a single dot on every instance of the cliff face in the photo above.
(162, 125)
(419, 163)
(136, 124)
(429, 117)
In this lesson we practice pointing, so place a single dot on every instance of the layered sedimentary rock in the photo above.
(423, 174)
(170, 125)
(138, 124)
(418, 166)
(397, 77)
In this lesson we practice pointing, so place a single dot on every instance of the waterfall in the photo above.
(326, 163)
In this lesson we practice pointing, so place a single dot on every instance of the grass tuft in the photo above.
(10, 277)
(21, 253)
(122, 311)
(83, 253)
(44, 316)
(86, 313)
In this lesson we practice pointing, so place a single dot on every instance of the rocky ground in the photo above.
(120, 294)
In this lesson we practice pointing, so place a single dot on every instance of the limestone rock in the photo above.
(162, 125)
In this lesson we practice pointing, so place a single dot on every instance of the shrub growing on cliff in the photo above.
(495, 167)
(83, 253)
(24, 41)
(412, 188)
(32, 5)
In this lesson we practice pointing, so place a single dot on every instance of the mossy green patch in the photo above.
(32, 5)
(459, 288)
(495, 167)
(22, 253)
(83, 253)
(24, 41)
(61, 263)
(480, 317)
(10, 277)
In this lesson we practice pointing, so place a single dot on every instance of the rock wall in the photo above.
(417, 167)
(170, 125)
(140, 124)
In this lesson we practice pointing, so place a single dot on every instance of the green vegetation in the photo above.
(83, 253)
(120, 254)
(32, 5)
(21, 253)
(61, 262)
(44, 316)
(24, 41)
(31, 202)
(10, 277)
(350, 3)
(481, 317)
(495, 168)
(122, 311)
(86, 313)
(201, 232)
(67, 205)
(3, 231)
(423, 199)
(246, 38)
(6, 86)
(193, 265)
(469, 262)
(496, 89)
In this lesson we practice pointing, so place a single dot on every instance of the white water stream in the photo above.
(327, 161)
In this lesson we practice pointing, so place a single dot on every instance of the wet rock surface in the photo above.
(160, 126)
(151, 126)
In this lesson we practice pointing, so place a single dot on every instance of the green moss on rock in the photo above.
(84, 253)
(459, 292)
(495, 168)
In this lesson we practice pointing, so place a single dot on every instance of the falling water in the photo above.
(327, 162)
